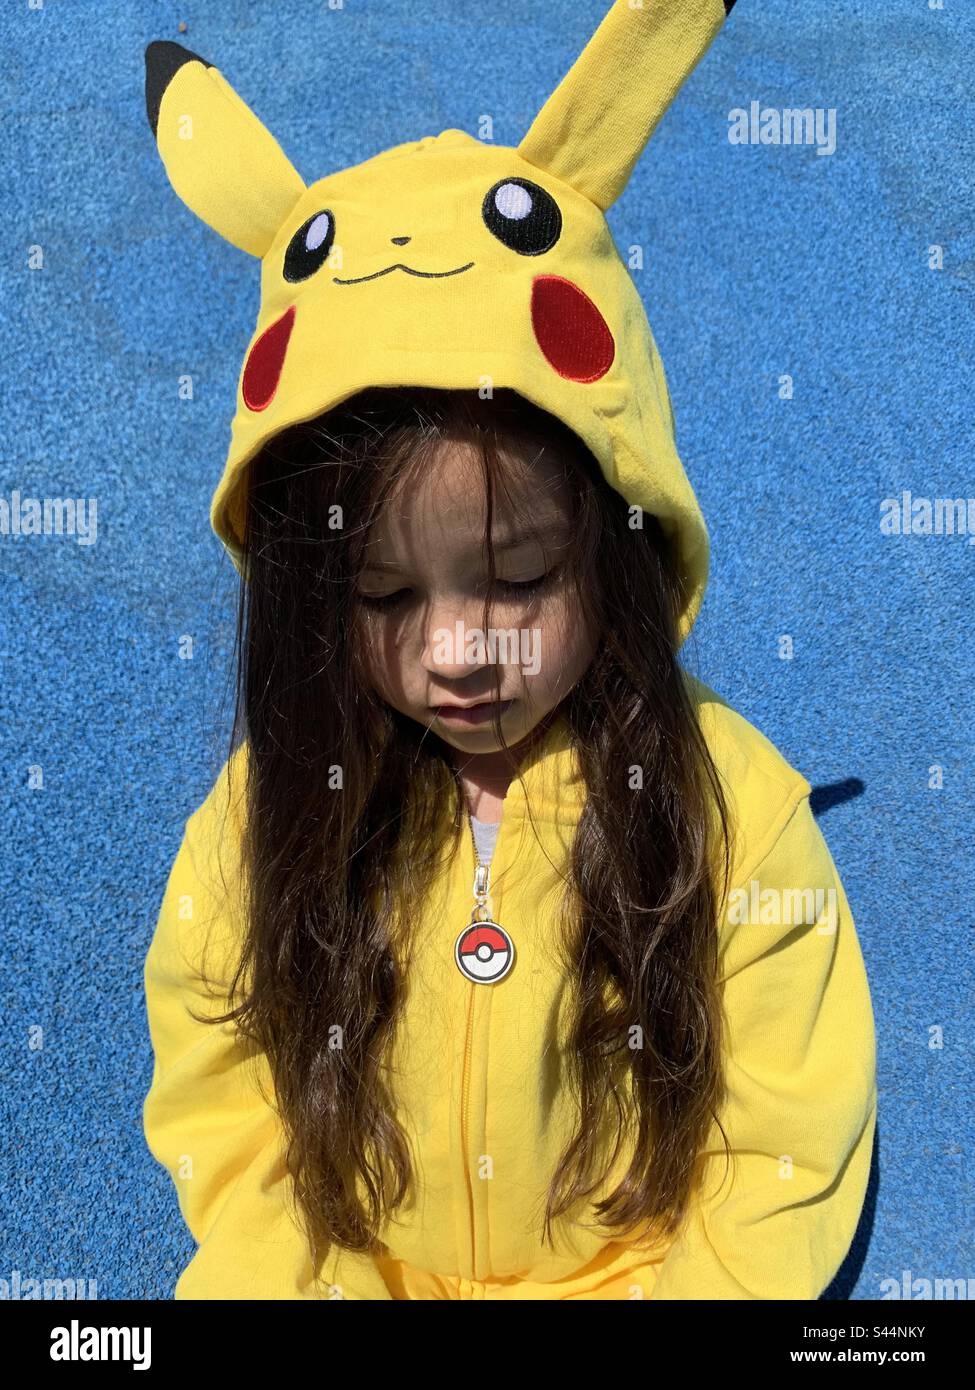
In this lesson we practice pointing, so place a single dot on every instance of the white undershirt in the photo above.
(485, 835)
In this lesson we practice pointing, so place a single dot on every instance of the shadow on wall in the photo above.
(849, 1271)
(821, 800)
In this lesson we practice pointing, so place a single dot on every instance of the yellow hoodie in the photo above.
(504, 273)
(475, 1071)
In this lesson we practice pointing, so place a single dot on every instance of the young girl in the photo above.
(504, 959)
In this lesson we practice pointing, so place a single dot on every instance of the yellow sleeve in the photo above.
(800, 1110)
(205, 1117)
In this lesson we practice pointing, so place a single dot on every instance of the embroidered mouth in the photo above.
(425, 274)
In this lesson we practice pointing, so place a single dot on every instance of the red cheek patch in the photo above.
(263, 370)
(570, 330)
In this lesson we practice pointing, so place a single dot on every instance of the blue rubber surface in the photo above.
(760, 261)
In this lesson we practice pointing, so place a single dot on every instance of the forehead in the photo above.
(445, 503)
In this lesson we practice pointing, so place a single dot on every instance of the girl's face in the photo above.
(422, 590)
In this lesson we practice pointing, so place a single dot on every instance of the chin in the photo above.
(481, 734)
(484, 740)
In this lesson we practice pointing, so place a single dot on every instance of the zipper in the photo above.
(481, 893)
(481, 877)
(480, 881)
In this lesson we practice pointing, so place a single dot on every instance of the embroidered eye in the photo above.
(522, 216)
(309, 247)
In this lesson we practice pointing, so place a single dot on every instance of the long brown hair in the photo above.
(648, 870)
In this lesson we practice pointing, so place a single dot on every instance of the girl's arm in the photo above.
(205, 1118)
(801, 1106)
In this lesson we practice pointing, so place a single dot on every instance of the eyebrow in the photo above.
(511, 542)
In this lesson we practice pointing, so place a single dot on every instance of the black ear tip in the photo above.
(163, 61)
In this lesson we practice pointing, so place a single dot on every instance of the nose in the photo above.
(450, 648)
(400, 240)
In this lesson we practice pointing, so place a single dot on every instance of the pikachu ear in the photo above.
(593, 128)
(224, 164)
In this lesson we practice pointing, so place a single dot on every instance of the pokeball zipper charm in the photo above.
(484, 951)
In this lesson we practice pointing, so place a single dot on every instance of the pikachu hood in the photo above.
(450, 262)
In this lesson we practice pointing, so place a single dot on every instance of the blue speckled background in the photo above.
(760, 261)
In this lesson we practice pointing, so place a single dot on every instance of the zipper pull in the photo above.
(481, 889)
(485, 953)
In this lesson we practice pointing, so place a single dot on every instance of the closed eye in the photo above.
(386, 602)
(381, 602)
(528, 586)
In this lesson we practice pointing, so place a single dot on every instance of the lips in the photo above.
(479, 712)
(475, 704)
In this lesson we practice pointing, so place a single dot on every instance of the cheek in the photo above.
(578, 651)
(380, 656)
(372, 645)
(266, 362)
(566, 644)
